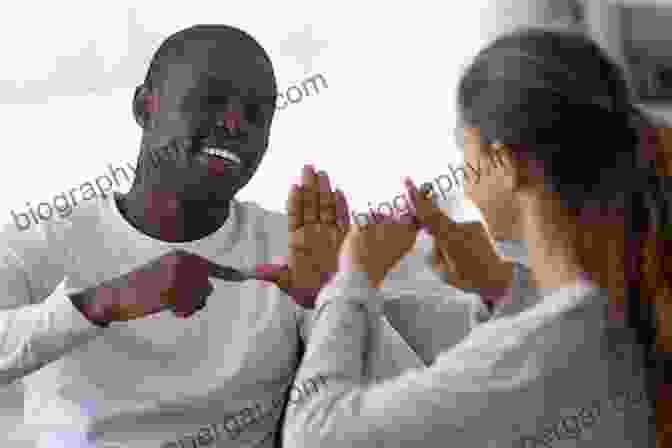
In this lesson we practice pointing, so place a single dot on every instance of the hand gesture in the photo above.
(377, 247)
(464, 254)
(178, 280)
(318, 220)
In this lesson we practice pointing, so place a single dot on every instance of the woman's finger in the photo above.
(428, 215)
(311, 196)
(444, 267)
(295, 208)
(327, 199)
(342, 212)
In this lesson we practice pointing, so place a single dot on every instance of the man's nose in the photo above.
(230, 117)
(229, 121)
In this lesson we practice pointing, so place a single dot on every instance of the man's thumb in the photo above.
(278, 274)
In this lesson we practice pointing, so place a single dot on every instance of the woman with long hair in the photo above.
(547, 119)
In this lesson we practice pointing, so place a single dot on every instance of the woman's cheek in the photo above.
(477, 194)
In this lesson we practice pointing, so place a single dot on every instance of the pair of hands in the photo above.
(322, 242)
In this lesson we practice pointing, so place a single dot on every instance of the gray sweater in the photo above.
(558, 372)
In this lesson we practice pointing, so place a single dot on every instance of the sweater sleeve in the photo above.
(344, 407)
(463, 399)
(38, 322)
(516, 381)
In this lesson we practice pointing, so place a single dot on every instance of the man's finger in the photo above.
(295, 208)
(280, 275)
(224, 272)
(188, 306)
(310, 196)
(200, 297)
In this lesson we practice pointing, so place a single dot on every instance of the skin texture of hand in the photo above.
(377, 247)
(318, 220)
(463, 254)
(178, 281)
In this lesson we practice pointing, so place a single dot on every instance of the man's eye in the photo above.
(253, 113)
(217, 100)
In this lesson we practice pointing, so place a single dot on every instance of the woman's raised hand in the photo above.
(318, 220)
(463, 254)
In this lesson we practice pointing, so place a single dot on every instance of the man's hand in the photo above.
(178, 281)
(464, 254)
(318, 220)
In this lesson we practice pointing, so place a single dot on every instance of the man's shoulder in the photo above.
(18, 233)
(253, 207)
(252, 213)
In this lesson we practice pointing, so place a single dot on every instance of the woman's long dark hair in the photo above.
(565, 109)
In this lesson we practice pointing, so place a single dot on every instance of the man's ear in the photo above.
(145, 104)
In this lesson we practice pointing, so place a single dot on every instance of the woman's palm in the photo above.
(318, 220)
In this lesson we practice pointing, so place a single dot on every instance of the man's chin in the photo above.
(219, 195)
(214, 194)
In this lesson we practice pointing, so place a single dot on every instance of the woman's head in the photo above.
(547, 118)
(545, 102)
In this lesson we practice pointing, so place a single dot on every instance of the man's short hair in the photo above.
(173, 47)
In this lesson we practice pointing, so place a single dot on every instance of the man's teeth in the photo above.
(223, 153)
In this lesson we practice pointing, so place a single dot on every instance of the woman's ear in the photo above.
(145, 104)
(502, 159)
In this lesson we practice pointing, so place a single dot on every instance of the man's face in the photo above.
(216, 100)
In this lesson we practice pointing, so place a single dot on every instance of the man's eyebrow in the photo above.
(217, 93)
(215, 98)
(253, 92)
(265, 98)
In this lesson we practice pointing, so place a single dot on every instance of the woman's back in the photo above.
(563, 373)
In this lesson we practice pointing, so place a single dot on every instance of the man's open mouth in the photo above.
(222, 154)
(220, 159)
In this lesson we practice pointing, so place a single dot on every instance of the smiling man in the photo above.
(83, 302)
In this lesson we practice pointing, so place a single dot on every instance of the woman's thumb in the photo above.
(427, 215)
(281, 276)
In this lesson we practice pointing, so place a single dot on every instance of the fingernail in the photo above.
(309, 169)
(411, 191)
(341, 206)
(410, 200)
(268, 269)
(408, 182)
(323, 181)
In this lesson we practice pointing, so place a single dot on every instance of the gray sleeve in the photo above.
(430, 324)
(338, 405)
(38, 323)
(431, 316)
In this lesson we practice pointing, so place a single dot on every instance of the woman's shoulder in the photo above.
(562, 366)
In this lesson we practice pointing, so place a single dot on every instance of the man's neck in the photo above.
(165, 217)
